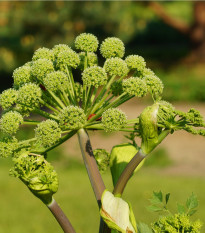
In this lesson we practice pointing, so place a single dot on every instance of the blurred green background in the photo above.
(171, 38)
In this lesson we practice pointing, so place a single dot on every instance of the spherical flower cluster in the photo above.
(56, 81)
(116, 88)
(29, 97)
(135, 62)
(7, 146)
(94, 76)
(92, 60)
(155, 86)
(86, 42)
(116, 67)
(112, 47)
(37, 174)
(47, 133)
(67, 58)
(43, 53)
(41, 67)
(10, 122)
(102, 158)
(72, 117)
(60, 48)
(113, 119)
(134, 86)
(22, 75)
(8, 98)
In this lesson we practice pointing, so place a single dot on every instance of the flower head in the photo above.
(8, 98)
(43, 53)
(60, 48)
(22, 75)
(7, 146)
(102, 158)
(29, 97)
(37, 174)
(116, 66)
(95, 76)
(134, 86)
(113, 119)
(10, 122)
(116, 88)
(135, 62)
(86, 42)
(155, 86)
(41, 67)
(47, 133)
(72, 117)
(56, 81)
(112, 47)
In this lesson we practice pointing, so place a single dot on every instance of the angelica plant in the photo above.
(46, 97)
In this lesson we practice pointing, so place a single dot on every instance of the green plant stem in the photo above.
(127, 173)
(45, 114)
(60, 217)
(91, 165)
(58, 101)
(49, 106)
(31, 122)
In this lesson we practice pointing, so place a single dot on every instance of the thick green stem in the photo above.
(61, 217)
(91, 165)
(127, 173)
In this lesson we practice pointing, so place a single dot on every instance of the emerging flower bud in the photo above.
(134, 86)
(86, 42)
(102, 158)
(47, 133)
(116, 66)
(22, 75)
(43, 53)
(94, 76)
(8, 98)
(112, 47)
(10, 122)
(72, 117)
(113, 119)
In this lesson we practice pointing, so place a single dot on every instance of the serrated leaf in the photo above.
(143, 228)
(154, 208)
(192, 202)
(167, 197)
(191, 212)
(158, 195)
(181, 209)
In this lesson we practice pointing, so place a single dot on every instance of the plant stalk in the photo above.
(60, 217)
(91, 165)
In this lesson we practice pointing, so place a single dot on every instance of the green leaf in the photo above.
(158, 195)
(181, 209)
(143, 228)
(192, 202)
(167, 197)
(191, 212)
(154, 208)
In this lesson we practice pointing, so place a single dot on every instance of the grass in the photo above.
(21, 212)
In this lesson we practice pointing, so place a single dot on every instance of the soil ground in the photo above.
(185, 150)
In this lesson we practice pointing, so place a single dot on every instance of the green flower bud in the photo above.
(60, 48)
(116, 66)
(112, 47)
(67, 58)
(10, 122)
(134, 86)
(92, 60)
(155, 86)
(86, 42)
(43, 53)
(113, 119)
(94, 76)
(102, 158)
(47, 133)
(135, 62)
(7, 146)
(56, 81)
(29, 97)
(8, 98)
(72, 117)
(37, 174)
(41, 68)
(22, 75)
(116, 88)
